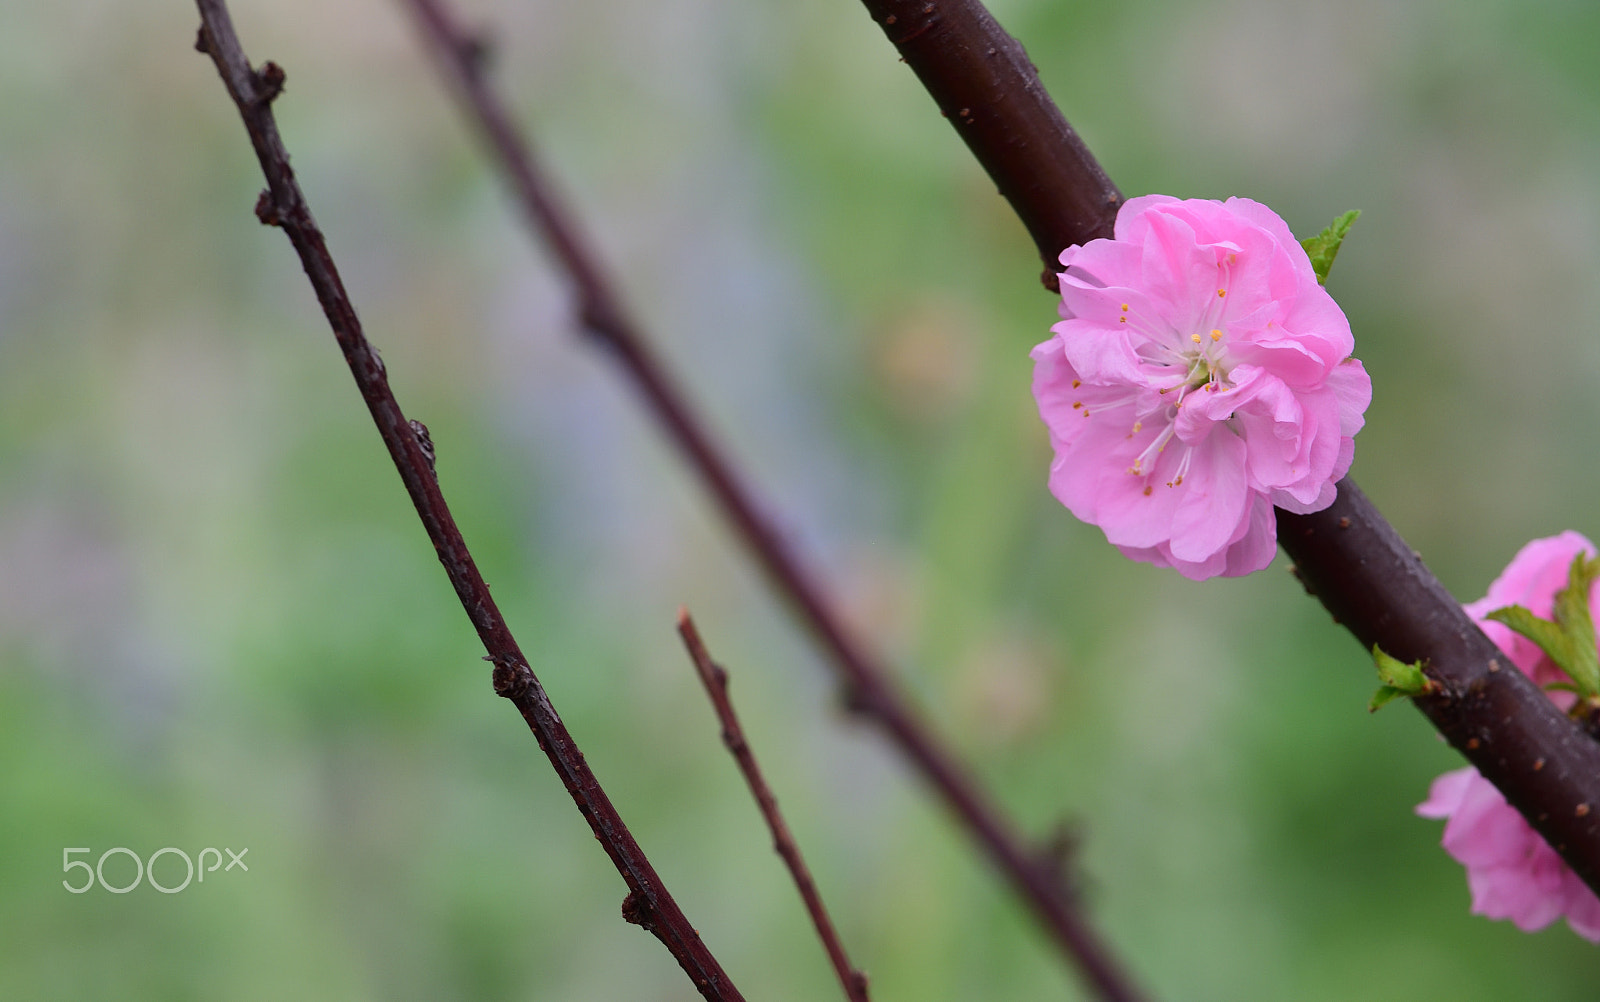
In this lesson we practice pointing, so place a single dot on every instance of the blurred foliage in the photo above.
(221, 626)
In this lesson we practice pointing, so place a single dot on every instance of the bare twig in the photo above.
(648, 903)
(869, 685)
(715, 679)
(1348, 555)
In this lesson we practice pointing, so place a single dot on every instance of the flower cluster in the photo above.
(1511, 871)
(1200, 375)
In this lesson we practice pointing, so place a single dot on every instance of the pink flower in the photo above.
(1511, 871)
(1200, 376)
(1531, 580)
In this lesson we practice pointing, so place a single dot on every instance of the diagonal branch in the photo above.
(869, 684)
(1347, 555)
(648, 903)
(715, 679)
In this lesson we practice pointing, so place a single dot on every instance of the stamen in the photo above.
(1183, 469)
(1216, 335)
(1196, 338)
(1155, 448)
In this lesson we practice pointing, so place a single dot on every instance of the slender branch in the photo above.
(988, 89)
(648, 903)
(869, 685)
(1348, 555)
(715, 679)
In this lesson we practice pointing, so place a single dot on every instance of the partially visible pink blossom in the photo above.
(1200, 375)
(1511, 871)
(1531, 580)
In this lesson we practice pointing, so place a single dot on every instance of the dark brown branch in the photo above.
(987, 87)
(715, 679)
(869, 686)
(648, 903)
(1348, 555)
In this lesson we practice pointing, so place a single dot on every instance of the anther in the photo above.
(1195, 338)
(1216, 335)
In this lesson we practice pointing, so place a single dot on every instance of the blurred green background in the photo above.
(220, 624)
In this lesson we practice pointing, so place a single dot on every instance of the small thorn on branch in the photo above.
(200, 44)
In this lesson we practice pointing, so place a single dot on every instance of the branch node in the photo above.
(200, 44)
(268, 83)
(855, 702)
(1305, 582)
(477, 52)
(636, 910)
(510, 679)
(1058, 858)
(424, 440)
(267, 209)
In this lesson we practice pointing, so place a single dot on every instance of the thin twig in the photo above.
(715, 679)
(648, 903)
(1348, 555)
(869, 686)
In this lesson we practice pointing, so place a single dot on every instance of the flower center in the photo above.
(1205, 361)
(1204, 367)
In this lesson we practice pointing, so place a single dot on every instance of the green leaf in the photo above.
(1324, 247)
(1572, 612)
(1568, 637)
(1381, 698)
(1399, 679)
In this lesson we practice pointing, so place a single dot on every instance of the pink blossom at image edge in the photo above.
(1511, 872)
(1200, 376)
